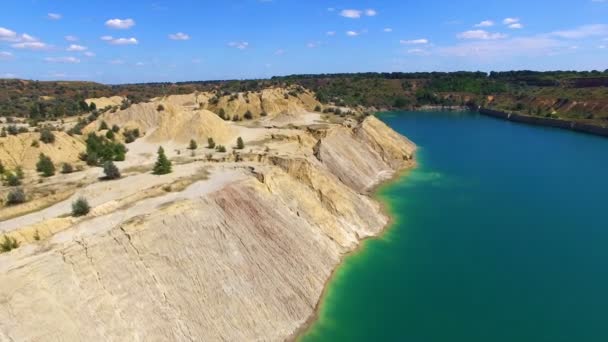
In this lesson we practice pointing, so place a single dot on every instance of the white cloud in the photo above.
(75, 47)
(89, 54)
(481, 35)
(491, 49)
(352, 33)
(485, 23)
(239, 45)
(31, 45)
(351, 13)
(5, 55)
(356, 14)
(71, 38)
(7, 35)
(121, 24)
(585, 31)
(116, 61)
(8, 75)
(516, 26)
(415, 41)
(120, 41)
(54, 16)
(509, 21)
(331, 33)
(179, 36)
(72, 60)
(388, 29)
(371, 12)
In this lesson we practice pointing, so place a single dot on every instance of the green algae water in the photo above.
(499, 234)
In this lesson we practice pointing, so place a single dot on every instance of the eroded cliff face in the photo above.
(244, 260)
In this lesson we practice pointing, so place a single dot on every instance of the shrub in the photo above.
(67, 168)
(110, 135)
(220, 148)
(8, 244)
(103, 126)
(160, 108)
(193, 145)
(248, 115)
(240, 144)
(263, 114)
(317, 108)
(19, 172)
(115, 128)
(47, 136)
(222, 114)
(210, 143)
(15, 196)
(92, 106)
(100, 150)
(80, 207)
(35, 144)
(131, 135)
(110, 170)
(45, 165)
(163, 165)
(2, 169)
(12, 130)
(12, 179)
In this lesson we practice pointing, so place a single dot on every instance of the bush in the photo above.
(67, 168)
(193, 145)
(2, 169)
(110, 135)
(115, 128)
(16, 196)
(92, 106)
(12, 179)
(317, 108)
(263, 114)
(160, 108)
(220, 148)
(222, 114)
(47, 136)
(35, 144)
(80, 207)
(103, 126)
(163, 165)
(210, 143)
(110, 170)
(101, 150)
(45, 165)
(240, 144)
(8, 244)
(248, 115)
(131, 135)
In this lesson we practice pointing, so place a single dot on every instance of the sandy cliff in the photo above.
(241, 256)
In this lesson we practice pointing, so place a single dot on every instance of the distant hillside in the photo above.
(569, 94)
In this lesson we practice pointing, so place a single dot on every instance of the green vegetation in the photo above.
(240, 144)
(103, 126)
(11, 179)
(100, 150)
(210, 143)
(15, 196)
(248, 115)
(193, 145)
(67, 168)
(160, 108)
(80, 207)
(131, 135)
(163, 164)
(47, 136)
(110, 170)
(220, 148)
(45, 165)
(8, 244)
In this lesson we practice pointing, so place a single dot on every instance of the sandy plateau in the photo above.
(230, 246)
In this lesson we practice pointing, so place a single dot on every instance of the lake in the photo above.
(499, 234)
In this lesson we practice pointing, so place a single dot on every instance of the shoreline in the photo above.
(398, 174)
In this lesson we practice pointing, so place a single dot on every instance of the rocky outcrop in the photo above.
(246, 260)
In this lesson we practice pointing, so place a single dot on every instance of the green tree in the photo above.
(45, 165)
(210, 143)
(2, 169)
(115, 128)
(12, 179)
(110, 170)
(193, 145)
(248, 115)
(92, 106)
(47, 136)
(67, 168)
(240, 144)
(15, 196)
(80, 207)
(220, 148)
(103, 126)
(222, 114)
(163, 164)
(110, 135)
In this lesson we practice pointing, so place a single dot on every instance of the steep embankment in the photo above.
(23, 149)
(240, 259)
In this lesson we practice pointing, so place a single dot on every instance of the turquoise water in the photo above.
(500, 234)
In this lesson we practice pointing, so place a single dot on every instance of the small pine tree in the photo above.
(110, 135)
(210, 143)
(222, 114)
(248, 115)
(115, 128)
(193, 145)
(45, 165)
(220, 148)
(103, 126)
(240, 144)
(80, 207)
(110, 170)
(12, 179)
(163, 165)
(92, 106)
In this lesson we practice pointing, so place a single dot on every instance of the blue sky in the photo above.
(142, 41)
